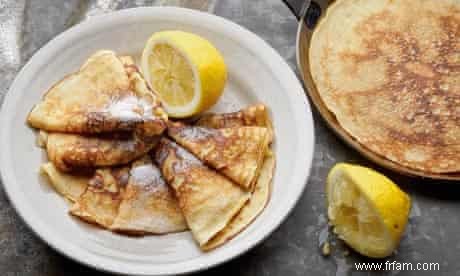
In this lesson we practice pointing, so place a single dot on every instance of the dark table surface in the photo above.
(432, 235)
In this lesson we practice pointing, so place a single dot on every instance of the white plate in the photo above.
(256, 74)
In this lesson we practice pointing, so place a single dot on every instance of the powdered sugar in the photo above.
(148, 177)
(196, 133)
(184, 158)
(129, 108)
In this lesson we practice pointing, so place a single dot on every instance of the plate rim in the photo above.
(298, 103)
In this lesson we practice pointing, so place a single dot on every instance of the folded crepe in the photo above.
(251, 116)
(73, 151)
(236, 152)
(69, 152)
(148, 204)
(71, 186)
(107, 94)
(100, 202)
(208, 200)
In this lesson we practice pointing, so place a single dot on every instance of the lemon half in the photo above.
(186, 70)
(368, 211)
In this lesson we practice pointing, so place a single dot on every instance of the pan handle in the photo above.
(297, 7)
(306, 10)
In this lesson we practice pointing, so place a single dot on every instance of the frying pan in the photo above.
(309, 13)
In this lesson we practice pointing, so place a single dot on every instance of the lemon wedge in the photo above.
(186, 70)
(368, 211)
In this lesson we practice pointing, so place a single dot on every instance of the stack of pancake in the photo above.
(124, 166)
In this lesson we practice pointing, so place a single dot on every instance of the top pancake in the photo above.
(390, 72)
(105, 95)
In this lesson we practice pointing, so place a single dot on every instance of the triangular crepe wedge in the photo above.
(100, 202)
(236, 152)
(148, 204)
(208, 200)
(73, 151)
(105, 95)
(251, 210)
(253, 115)
(71, 186)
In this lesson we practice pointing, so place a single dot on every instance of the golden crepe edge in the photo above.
(69, 186)
(100, 202)
(252, 115)
(70, 152)
(253, 208)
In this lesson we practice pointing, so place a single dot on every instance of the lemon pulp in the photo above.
(186, 70)
(367, 210)
(171, 75)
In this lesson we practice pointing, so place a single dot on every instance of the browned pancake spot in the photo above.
(421, 77)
